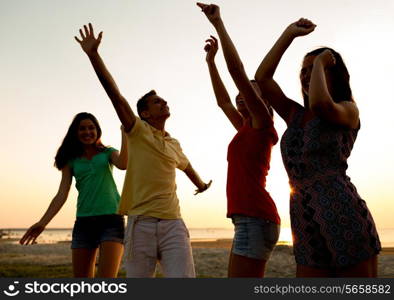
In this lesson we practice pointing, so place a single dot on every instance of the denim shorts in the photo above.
(254, 237)
(90, 232)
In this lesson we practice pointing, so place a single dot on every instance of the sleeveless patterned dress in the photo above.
(332, 226)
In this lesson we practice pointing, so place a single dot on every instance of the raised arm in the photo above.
(271, 91)
(57, 202)
(344, 113)
(90, 46)
(256, 106)
(222, 98)
(195, 178)
(119, 159)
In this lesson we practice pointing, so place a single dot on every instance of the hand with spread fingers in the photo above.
(88, 42)
(32, 234)
(212, 12)
(211, 48)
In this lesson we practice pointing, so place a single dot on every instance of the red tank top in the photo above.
(248, 157)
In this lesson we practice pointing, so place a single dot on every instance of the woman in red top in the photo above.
(250, 206)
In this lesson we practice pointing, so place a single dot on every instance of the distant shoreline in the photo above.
(62, 235)
(203, 243)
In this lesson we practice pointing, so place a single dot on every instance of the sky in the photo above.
(46, 79)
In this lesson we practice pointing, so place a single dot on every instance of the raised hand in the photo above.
(327, 58)
(300, 28)
(32, 234)
(88, 42)
(211, 48)
(212, 12)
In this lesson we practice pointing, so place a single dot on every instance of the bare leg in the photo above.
(109, 259)
(305, 271)
(84, 261)
(366, 268)
(242, 266)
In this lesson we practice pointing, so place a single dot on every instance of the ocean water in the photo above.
(53, 235)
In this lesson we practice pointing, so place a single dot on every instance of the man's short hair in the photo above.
(142, 103)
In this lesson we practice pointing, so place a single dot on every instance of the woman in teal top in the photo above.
(97, 226)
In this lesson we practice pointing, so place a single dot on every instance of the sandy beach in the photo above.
(211, 257)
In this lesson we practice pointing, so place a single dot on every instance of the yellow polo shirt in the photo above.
(149, 188)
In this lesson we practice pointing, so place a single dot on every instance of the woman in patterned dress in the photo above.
(334, 234)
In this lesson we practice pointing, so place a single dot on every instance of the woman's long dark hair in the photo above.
(71, 146)
(339, 77)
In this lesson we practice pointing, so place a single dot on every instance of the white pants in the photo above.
(148, 240)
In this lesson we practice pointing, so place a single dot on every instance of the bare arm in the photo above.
(284, 106)
(256, 106)
(119, 159)
(344, 113)
(90, 45)
(222, 98)
(57, 202)
(195, 178)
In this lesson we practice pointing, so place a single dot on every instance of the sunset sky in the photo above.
(45, 79)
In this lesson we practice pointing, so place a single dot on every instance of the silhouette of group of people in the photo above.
(334, 234)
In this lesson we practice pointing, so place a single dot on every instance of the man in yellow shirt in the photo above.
(155, 229)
